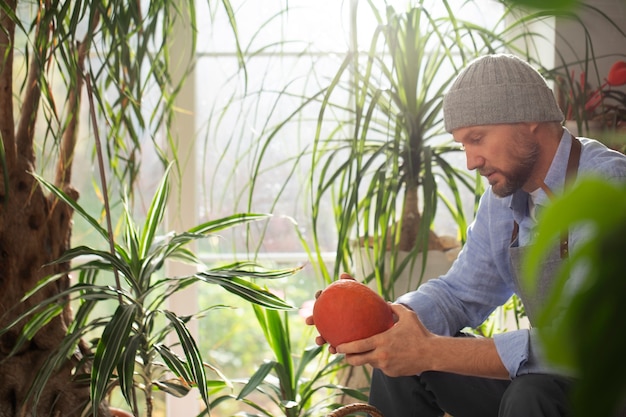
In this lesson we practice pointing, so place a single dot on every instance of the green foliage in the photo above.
(130, 345)
(295, 382)
(385, 164)
(509, 316)
(587, 338)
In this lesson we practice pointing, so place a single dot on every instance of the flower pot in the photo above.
(613, 137)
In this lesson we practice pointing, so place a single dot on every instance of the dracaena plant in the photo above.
(296, 381)
(129, 349)
(49, 51)
(384, 156)
(385, 161)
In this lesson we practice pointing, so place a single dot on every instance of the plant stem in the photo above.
(105, 191)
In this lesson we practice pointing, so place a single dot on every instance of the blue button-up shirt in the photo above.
(481, 278)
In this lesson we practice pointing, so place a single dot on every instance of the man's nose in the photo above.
(474, 160)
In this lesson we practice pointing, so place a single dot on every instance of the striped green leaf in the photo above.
(109, 350)
(192, 354)
(126, 368)
(256, 379)
(155, 215)
(244, 289)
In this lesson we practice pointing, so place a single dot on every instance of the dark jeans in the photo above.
(433, 393)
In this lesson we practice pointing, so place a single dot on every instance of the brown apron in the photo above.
(533, 300)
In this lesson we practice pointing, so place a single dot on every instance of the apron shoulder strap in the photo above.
(573, 161)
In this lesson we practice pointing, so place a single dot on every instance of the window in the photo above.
(291, 53)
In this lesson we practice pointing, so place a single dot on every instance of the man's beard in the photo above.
(518, 175)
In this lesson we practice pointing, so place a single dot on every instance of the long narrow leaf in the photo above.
(257, 378)
(73, 204)
(254, 271)
(214, 226)
(280, 342)
(309, 355)
(82, 290)
(155, 214)
(109, 350)
(192, 354)
(244, 289)
(174, 387)
(176, 364)
(85, 251)
(126, 369)
(36, 323)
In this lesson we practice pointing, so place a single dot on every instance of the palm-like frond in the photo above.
(128, 339)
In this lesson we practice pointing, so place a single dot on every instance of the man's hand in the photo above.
(399, 351)
(408, 348)
(319, 340)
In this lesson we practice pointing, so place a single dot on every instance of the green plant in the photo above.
(295, 382)
(49, 50)
(383, 155)
(130, 347)
(386, 162)
(510, 316)
(586, 339)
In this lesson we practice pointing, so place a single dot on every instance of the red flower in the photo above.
(617, 74)
(615, 78)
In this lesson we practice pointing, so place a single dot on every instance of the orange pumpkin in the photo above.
(348, 310)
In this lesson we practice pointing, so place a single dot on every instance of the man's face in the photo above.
(505, 154)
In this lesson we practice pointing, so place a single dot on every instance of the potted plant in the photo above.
(294, 383)
(50, 54)
(129, 348)
(384, 159)
(600, 111)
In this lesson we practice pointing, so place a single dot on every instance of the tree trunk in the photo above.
(34, 231)
(411, 220)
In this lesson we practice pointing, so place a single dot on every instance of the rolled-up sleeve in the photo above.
(521, 353)
(514, 349)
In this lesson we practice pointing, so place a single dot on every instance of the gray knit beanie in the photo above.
(498, 89)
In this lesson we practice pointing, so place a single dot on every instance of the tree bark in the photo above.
(411, 220)
(34, 231)
(7, 132)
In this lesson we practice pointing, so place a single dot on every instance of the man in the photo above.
(503, 113)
